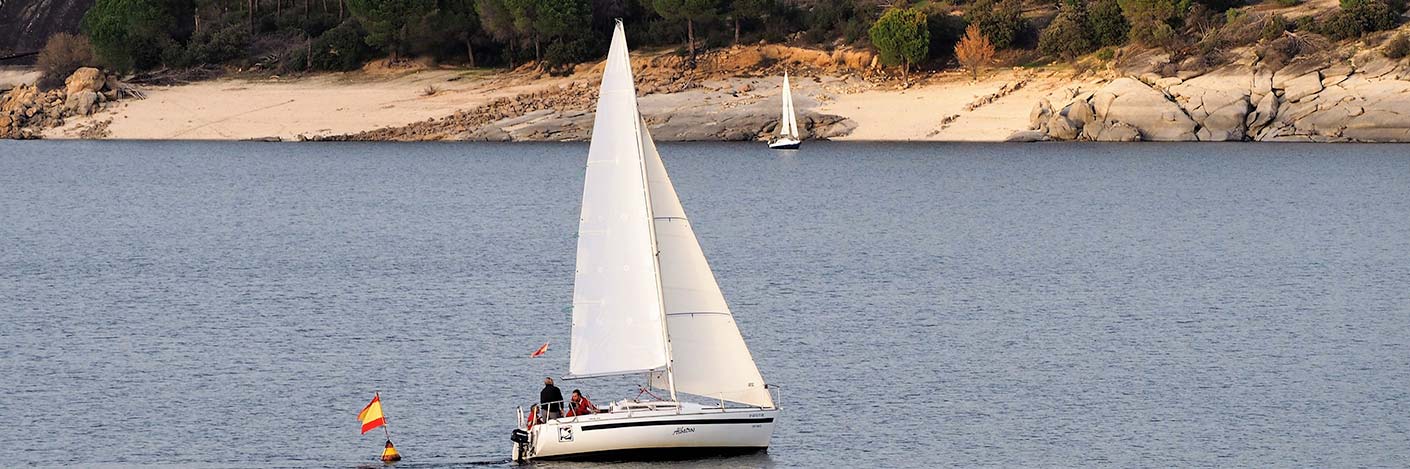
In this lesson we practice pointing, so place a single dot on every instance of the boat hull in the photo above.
(650, 435)
(785, 144)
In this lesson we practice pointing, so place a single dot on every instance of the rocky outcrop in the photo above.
(26, 110)
(689, 113)
(25, 25)
(1364, 99)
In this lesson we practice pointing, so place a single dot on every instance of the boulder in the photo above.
(1225, 124)
(1119, 132)
(1026, 136)
(1149, 111)
(82, 103)
(1060, 128)
(1080, 111)
(1262, 113)
(1038, 117)
(1302, 86)
(84, 79)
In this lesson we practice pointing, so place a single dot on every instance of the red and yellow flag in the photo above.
(540, 351)
(371, 416)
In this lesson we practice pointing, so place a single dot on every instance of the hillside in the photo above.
(26, 24)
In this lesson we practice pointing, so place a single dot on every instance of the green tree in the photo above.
(459, 18)
(129, 34)
(566, 23)
(387, 21)
(497, 20)
(1001, 20)
(1067, 36)
(690, 11)
(902, 37)
(1150, 20)
(1106, 23)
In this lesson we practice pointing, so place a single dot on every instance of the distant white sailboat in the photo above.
(646, 302)
(788, 137)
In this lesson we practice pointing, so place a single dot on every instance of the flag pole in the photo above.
(384, 417)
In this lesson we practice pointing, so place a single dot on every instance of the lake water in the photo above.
(236, 304)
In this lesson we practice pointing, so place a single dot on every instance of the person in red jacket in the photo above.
(580, 405)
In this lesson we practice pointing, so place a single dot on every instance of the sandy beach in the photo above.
(347, 103)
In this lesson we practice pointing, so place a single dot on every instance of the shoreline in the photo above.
(1355, 98)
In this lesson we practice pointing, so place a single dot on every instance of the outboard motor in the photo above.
(519, 436)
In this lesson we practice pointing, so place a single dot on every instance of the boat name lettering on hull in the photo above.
(684, 430)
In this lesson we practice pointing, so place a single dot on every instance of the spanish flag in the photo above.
(371, 416)
(540, 351)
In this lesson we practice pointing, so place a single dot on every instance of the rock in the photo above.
(1038, 117)
(1225, 124)
(1080, 111)
(84, 79)
(82, 103)
(1167, 82)
(1262, 114)
(487, 133)
(744, 88)
(1060, 128)
(1137, 105)
(1302, 86)
(1119, 132)
(1026, 136)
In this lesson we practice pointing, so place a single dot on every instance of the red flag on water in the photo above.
(540, 351)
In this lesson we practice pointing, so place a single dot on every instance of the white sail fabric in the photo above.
(617, 314)
(788, 124)
(709, 357)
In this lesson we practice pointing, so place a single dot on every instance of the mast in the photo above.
(655, 250)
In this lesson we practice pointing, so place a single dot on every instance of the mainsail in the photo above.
(617, 314)
(788, 124)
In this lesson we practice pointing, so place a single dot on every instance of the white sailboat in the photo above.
(788, 137)
(645, 302)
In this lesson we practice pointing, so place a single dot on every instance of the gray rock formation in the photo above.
(1364, 99)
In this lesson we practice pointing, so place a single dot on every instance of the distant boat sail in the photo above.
(788, 137)
(646, 302)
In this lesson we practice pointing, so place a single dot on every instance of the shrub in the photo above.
(1273, 27)
(945, 30)
(1398, 48)
(570, 51)
(1359, 17)
(1106, 53)
(340, 48)
(1150, 20)
(1066, 36)
(63, 54)
(1107, 24)
(1000, 20)
(1288, 3)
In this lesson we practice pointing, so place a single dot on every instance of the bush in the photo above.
(1106, 23)
(341, 48)
(1288, 3)
(1273, 27)
(1150, 20)
(1106, 53)
(129, 34)
(999, 20)
(63, 54)
(561, 55)
(1066, 36)
(1359, 17)
(1398, 48)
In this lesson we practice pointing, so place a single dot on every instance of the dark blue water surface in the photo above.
(236, 304)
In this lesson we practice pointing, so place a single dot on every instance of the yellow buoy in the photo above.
(390, 453)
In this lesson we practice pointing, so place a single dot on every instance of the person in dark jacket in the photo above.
(551, 399)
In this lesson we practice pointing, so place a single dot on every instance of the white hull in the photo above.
(785, 143)
(669, 433)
